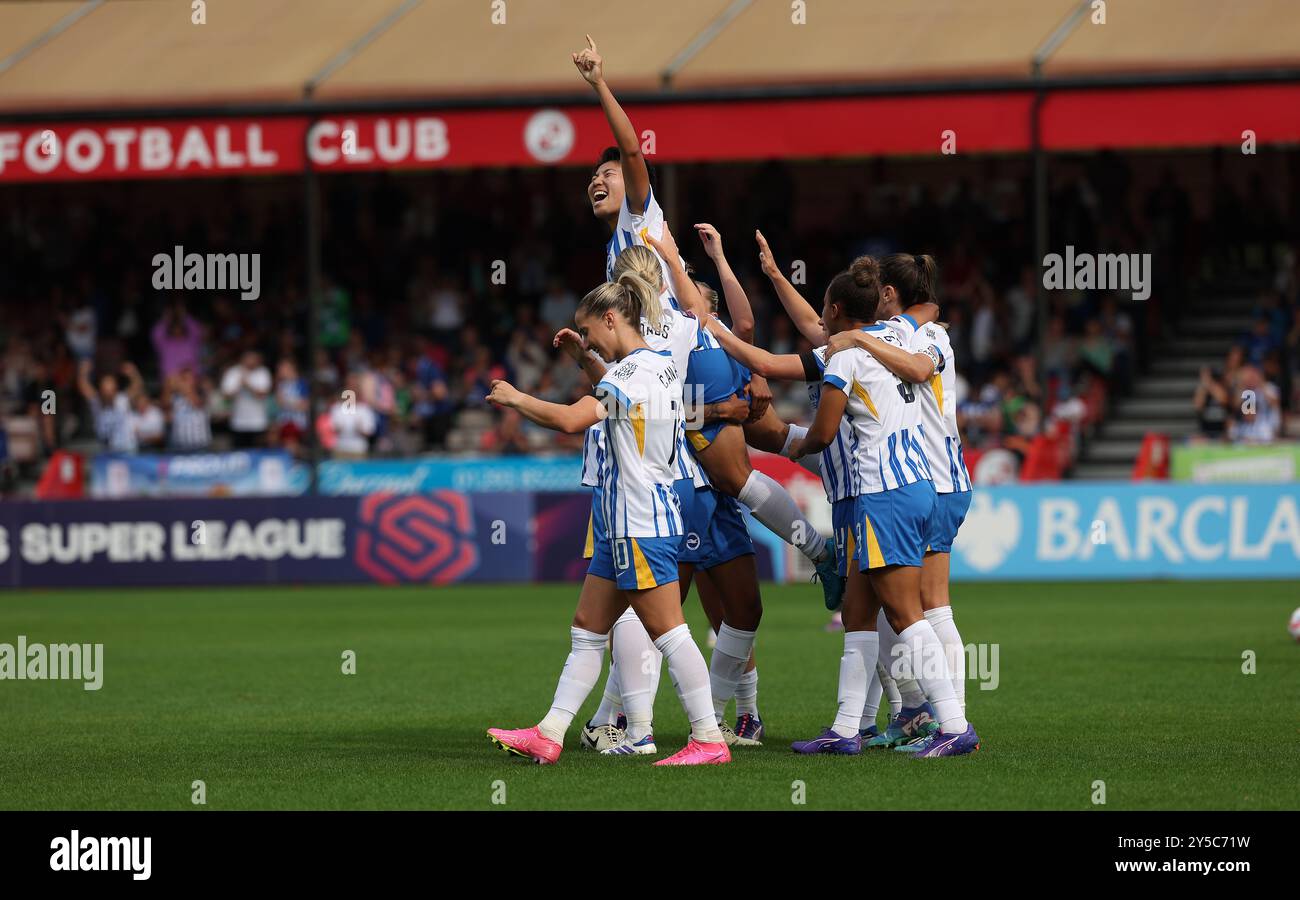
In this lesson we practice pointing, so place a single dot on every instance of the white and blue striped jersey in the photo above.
(113, 423)
(643, 438)
(882, 411)
(678, 334)
(631, 231)
(837, 467)
(938, 398)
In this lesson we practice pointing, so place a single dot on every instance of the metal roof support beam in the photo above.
(344, 56)
(701, 40)
(54, 31)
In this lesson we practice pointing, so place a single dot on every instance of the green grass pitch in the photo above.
(1137, 685)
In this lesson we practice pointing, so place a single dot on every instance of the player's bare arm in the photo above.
(571, 343)
(684, 288)
(909, 366)
(636, 175)
(786, 367)
(806, 319)
(738, 306)
(825, 426)
(570, 418)
(732, 410)
(760, 398)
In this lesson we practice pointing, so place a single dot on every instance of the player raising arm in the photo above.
(720, 448)
(638, 401)
(620, 192)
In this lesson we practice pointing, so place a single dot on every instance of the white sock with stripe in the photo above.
(747, 694)
(891, 689)
(860, 651)
(727, 665)
(928, 665)
(690, 677)
(871, 708)
(581, 670)
(892, 652)
(638, 673)
(772, 505)
(955, 651)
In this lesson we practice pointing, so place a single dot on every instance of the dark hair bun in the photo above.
(865, 271)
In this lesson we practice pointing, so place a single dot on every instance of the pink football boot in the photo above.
(697, 753)
(527, 742)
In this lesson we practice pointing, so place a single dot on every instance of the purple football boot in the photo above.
(830, 742)
(940, 744)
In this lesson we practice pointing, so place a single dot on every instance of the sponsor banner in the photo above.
(408, 476)
(1218, 464)
(177, 148)
(1130, 531)
(979, 121)
(433, 538)
(240, 473)
(561, 523)
(1042, 532)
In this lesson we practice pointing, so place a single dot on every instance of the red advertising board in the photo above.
(808, 128)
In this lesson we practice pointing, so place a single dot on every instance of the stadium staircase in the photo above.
(1163, 390)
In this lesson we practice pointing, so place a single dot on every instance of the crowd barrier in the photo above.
(1044, 532)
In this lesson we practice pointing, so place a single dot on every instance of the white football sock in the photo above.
(891, 688)
(690, 677)
(581, 670)
(611, 702)
(793, 433)
(638, 673)
(747, 694)
(944, 626)
(772, 505)
(892, 652)
(928, 666)
(860, 651)
(730, 656)
(871, 708)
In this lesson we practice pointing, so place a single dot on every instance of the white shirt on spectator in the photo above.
(352, 428)
(150, 426)
(248, 410)
(1263, 425)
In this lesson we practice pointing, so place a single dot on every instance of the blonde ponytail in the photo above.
(639, 270)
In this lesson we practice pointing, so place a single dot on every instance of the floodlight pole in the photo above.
(1049, 46)
(312, 238)
(1039, 157)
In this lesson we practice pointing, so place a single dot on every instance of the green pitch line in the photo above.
(1139, 686)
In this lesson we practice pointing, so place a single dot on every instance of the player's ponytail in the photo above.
(643, 263)
(915, 278)
(856, 290)
(625, 297)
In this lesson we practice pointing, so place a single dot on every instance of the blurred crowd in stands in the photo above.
(435, 284)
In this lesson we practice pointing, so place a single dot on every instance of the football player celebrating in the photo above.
(928, 363)
(638, 401)
(621, 196)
